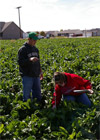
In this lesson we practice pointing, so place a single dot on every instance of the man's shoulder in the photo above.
(23, 47)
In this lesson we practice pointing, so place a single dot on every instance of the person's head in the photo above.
(32, 38)
(60, 78)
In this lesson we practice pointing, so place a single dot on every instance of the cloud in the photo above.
(46, 1)
(52, 14)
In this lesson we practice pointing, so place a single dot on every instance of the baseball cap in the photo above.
(33, 35)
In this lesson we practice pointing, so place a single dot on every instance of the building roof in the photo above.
(77, 31)
(1, 25)
(95, 30)
(6, 25)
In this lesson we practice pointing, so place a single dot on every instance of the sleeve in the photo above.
(83, 83)
(23, 60)
(56, 96)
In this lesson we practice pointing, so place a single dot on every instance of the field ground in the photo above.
(33, 121)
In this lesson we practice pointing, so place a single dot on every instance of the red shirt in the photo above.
(74, 82)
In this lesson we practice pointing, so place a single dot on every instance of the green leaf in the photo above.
(1, 128)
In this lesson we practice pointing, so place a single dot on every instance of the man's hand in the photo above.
(34, 59)
(41, 76)
(90, 91)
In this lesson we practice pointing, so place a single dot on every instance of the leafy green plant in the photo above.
(31, 120)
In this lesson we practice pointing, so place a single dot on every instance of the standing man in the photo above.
(30, 69)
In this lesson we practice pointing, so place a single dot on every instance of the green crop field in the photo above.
(33, 121)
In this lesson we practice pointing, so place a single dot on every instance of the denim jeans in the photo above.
(31, 84)
(83, 98)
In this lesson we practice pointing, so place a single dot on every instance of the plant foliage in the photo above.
(31, 120)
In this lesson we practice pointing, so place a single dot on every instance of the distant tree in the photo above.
(42, 33)
(61, 30)
(37, 32)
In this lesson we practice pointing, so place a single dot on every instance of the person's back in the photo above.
(66, 84)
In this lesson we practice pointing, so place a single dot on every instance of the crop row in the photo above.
(30, 120)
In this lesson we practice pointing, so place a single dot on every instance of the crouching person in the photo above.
(72, 87)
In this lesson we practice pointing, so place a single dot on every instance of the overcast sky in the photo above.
(44, 15)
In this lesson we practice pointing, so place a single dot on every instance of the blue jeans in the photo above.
(31, 84)
(83, 98)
